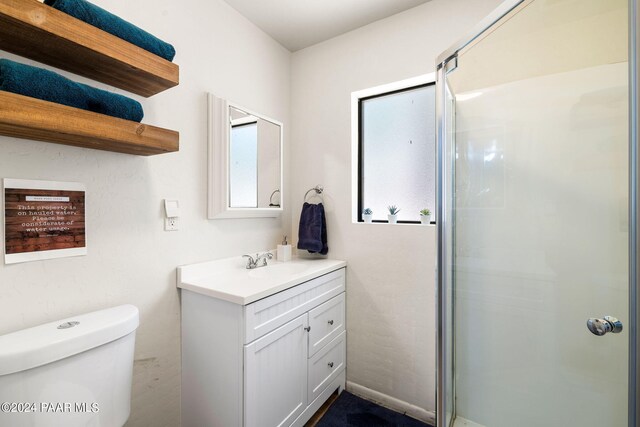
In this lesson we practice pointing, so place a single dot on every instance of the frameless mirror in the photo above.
(245, 162)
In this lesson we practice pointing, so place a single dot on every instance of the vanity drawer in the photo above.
(267, 314)
(326, 365)
(326, 322)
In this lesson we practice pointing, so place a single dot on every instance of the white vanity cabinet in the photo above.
(272, 362)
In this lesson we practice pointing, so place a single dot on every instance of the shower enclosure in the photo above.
(537, 218)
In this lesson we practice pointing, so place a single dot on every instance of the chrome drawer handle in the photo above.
(308, 329)
(330, 364)
(330, 322)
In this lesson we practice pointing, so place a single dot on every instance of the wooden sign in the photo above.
(43, 220)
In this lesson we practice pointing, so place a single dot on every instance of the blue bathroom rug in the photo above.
(351, 411)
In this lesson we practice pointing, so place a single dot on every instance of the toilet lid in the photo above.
(37, 346)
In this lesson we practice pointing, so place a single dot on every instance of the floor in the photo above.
(323, 410)
(348, 410)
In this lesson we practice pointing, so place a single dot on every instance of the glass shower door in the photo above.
(534, 179)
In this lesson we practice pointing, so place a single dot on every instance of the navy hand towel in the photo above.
(49, 86)
(312, 234)
(100, 18)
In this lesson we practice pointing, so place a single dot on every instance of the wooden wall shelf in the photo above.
(25, 117)
(31, 29)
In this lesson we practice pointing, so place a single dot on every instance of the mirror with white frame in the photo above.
(245, 162)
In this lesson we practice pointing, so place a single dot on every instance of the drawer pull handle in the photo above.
(330, 322)
(330, 364)
(308, 329)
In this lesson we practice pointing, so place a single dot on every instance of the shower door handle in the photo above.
(605, 325)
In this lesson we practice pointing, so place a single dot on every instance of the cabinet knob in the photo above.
(308, 329)
(330, 364)
(330, 322)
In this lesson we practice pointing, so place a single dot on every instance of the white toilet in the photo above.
(73, 372)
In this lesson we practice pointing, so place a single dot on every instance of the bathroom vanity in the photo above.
(262, 347)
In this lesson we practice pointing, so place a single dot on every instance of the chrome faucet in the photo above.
(253, 263)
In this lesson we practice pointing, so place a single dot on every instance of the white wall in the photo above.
(131, 259)
(390, 284)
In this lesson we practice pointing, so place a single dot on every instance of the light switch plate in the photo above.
(172, 208)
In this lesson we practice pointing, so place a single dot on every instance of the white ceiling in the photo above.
(297, 24)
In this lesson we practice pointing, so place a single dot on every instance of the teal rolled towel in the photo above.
(49, 86)
(106, 21)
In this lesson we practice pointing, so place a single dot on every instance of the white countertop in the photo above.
(229, 280)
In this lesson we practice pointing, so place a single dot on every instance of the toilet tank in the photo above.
(72, 372)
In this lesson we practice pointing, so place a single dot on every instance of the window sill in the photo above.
(432, 223)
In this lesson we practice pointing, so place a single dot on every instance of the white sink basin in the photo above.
(277, 270)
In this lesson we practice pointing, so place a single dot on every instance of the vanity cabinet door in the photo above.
(275, 376)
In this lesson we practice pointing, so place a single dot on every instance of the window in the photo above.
(396, 150)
